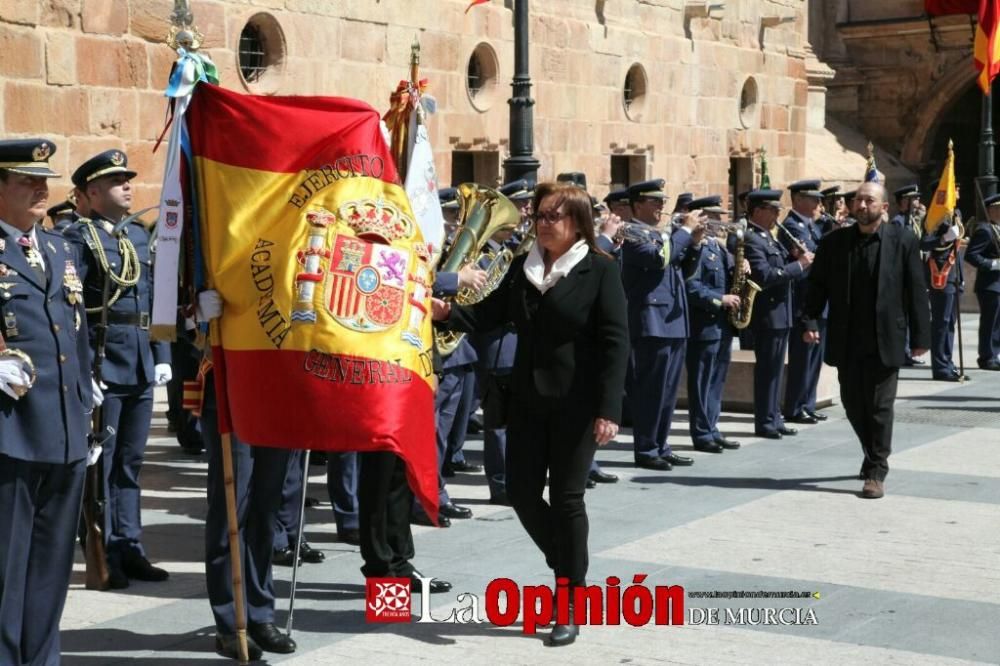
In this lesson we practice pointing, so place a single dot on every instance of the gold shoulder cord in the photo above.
(130, 272)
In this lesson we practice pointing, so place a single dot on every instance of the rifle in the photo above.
(93, 489)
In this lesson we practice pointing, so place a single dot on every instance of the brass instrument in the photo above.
(636, 232)
(483, 213)
(743, 287)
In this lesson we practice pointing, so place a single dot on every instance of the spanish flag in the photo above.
(987, 49)
(325, 338)
(945, 197)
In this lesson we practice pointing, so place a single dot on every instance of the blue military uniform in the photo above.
(658, 327)
(708, 270)
(43, 435)
(945, 286)
(130, 360)
(983, 252)
(907, 221)
(772, 269)
(805, 361)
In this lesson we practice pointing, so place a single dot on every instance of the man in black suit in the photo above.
(871, 276)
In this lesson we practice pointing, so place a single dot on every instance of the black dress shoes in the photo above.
(423, 519)
(310, 554)
(950, 377)
(788, 432)
(599, 476)
(466, 467)
(138, 567)
(590, 484)
(500, 498)
(283, 557)
(475, 425)
(730, 444)
(708, 447)
(804, 418)
(452, 510)
(564, 634)
(437, 586)
(350, 535)
(270, 639)
(990, 365)
(228, 645)
(817, 415)
(767, 434)
(657, 464)
(679, 461)
(117, 580)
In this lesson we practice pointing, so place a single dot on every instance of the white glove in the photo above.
(162, 373)
(94, 454)
(209, 305)
(950, 235)
(14, 379)
(97, 394)
(995, 265)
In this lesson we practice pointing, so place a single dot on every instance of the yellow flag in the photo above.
(943, 202)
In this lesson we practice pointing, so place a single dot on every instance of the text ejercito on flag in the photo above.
(325, 337)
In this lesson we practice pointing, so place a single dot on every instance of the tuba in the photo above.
(743, 287)
(483, 212)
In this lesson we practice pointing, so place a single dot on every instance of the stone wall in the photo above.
(90, 75)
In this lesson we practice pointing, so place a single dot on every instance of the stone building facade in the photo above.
(708, 84)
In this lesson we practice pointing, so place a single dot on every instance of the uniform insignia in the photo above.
(41, 153)
(10, 325)
(72, 283)
(117, 158)
(7, 285)
(3, 244)
(49, 245)
(711, 256)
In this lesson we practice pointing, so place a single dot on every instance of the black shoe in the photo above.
(807, 419)
(678, 461)
(475, 425)
(350, 535)
(117, 580)
(787, 432)
(500, 498)
(817, 415)
(767, 434)
(600, 476)
(270, 639)
(564, 634)
(990, 365)
(310, 554)
(311, 502)
(708, 447)
(591, 484)
(950, 377)
(437, 586)
(910, 361)
(466, 467)
(283, 557)
(423, 519)
(228, 645)
(730, 444)
(452, 510)
(658, 464)
(138, 567)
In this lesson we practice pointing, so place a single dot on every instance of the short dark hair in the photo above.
(576, 203)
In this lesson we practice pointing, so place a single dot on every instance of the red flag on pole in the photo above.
(474, 3)
(987, 51)
(946, 7)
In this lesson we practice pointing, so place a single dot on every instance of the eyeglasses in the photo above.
(549, 217)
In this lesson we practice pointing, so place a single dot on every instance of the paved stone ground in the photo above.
(910, 579)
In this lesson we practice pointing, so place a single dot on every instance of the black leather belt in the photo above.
(140, 319)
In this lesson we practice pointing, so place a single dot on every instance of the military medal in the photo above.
(10, 325)
(71, 281)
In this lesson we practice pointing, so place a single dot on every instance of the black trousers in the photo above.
(868, 391)
(558, 443)
(384, 501)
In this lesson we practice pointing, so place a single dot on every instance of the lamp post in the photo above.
(522, 162)
(987, 180)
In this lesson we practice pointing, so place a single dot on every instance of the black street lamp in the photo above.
(987, 181)
(522, 162)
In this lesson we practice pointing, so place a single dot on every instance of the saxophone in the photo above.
(743, 287)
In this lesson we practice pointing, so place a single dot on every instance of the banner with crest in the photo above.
(325, 339)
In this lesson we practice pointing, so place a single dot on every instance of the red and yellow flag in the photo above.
(945, 197)
(987, 49)
(325, 339)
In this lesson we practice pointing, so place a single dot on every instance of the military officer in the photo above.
(119, 251)
(657, 310)
(983, 252)
(45, 398)
(681, 207)
(945, 285)
(804, 361)
(833, 212)
(618, 204)
(708, 268)
(774, 270)
(909, 214)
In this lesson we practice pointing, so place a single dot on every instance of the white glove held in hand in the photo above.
(995, 265)
(209, 305)
(14, 379)
(950, 235)
(162, 373)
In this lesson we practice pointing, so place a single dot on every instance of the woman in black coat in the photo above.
(565, 299)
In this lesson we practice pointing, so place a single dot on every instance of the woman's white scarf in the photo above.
(534, 265)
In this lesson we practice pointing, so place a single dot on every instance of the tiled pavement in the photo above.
(910, 579)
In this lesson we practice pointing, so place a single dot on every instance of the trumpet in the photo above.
(636, 232)
(716, 226)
